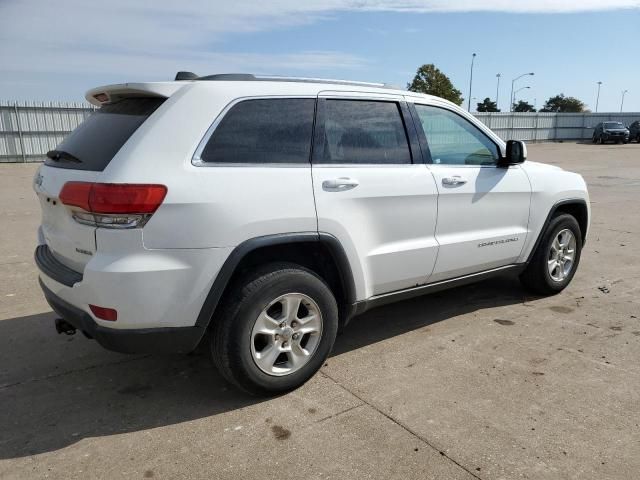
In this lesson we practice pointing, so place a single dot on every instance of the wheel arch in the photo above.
(576, 207)
(319, 252)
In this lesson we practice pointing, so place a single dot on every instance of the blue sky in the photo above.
(58, 50)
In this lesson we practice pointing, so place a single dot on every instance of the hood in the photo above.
(540, 167)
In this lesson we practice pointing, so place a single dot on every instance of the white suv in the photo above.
(261, 213)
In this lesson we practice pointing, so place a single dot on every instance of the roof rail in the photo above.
(229, 77)
(274, 78)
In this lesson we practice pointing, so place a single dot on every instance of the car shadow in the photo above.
(57, 390)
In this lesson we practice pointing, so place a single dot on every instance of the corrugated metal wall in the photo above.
(540, 127)
(29, 129)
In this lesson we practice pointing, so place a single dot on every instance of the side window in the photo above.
(274, 130)
(362, 132)
(453, 140)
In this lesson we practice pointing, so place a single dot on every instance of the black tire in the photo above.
(601, 140)
(594, 139)
(231, 340)
(536, 276)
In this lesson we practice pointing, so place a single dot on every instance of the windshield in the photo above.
(96, 141)
(613, 125)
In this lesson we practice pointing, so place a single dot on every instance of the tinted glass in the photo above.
(358, 131)
(263, 131)
(613, 125)
(96, 141)
(453, 140)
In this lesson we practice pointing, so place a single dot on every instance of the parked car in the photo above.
(610, 132)
(634, 131)
(261, 214)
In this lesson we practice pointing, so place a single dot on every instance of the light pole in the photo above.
(473, 57)
(598, 97)
(516, 93)
(512, 84)
(622, 102)
(498, 75)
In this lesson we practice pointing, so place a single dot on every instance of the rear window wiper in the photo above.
(57, 155)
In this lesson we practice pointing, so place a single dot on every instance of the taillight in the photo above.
(113, 205)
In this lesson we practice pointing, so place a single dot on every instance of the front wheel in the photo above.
(556, 259)
(275, 330)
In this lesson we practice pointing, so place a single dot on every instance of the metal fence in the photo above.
(29, 129)
(542, 127)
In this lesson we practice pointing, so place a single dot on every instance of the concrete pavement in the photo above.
(482, 381)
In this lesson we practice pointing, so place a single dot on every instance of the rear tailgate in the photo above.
(82, 157)
(70, 242)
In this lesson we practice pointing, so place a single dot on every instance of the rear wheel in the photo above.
(275, 330)
(556, 258)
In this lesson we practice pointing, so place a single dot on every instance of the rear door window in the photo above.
(362, 132)
(96, 141)
(276, 130)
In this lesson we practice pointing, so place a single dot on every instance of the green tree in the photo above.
(487, 106)
(523, 106)
(432, 81)
(562, 104)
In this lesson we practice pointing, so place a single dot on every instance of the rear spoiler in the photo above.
(112, 93)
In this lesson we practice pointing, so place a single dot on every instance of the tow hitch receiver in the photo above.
(62, 326)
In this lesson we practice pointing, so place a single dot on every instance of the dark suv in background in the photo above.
(634, 131)
(610, 132)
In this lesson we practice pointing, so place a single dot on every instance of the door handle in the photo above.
(340, 184)
(453, 181)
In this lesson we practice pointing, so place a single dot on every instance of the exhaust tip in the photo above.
(62, 326)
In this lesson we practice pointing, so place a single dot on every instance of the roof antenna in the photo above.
(186, 76)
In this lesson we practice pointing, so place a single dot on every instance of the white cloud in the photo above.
(152, 38)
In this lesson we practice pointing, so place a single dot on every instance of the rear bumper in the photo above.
(145, 340)
(50, 266)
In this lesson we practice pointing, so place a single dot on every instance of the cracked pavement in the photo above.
(483, 381)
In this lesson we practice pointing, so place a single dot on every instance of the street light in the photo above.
(516, 93)
(473, 57)
(498, 75)
(622, 102)
(512, 84)
(598, 97)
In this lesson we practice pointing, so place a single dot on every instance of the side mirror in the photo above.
(516, 153)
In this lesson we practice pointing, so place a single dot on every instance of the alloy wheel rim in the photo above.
(562, 254)
(286, 334)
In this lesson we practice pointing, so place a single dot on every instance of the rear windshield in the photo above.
(95, 142)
